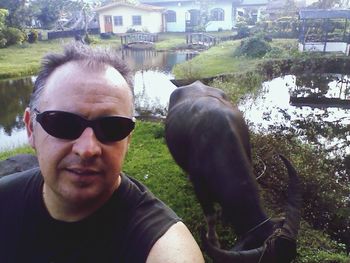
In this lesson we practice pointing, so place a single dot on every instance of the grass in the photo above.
(12, 152)
(170, 44)
(175, 41)
(150, 162)
(215, 61)
(24, 60)
(220, 60)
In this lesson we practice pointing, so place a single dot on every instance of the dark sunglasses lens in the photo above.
(63, 125)
(114, 128)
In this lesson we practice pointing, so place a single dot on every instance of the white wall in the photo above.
(330, 47)
(227, 23)
(150, 20)
(181, 8)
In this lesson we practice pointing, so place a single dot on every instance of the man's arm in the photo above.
(177, 245)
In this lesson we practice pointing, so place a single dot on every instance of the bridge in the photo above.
(201, 39)
(138, 38)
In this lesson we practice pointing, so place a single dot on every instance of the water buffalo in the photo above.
(209, 139)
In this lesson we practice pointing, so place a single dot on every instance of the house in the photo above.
(120, 17)
(185, 15)
(176, 15)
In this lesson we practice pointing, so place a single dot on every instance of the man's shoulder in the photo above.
(177, 238)
(147, 218)
(137, 195)
(19, 181)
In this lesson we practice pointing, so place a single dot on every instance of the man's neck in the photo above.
(62, 210)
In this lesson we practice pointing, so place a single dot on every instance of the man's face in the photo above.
(84, 170)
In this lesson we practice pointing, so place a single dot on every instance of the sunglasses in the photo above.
(70, 126)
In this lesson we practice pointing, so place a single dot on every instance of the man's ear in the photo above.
(27, 118)
(129, 140)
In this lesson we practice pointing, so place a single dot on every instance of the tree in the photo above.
(18, 12)
(325, 4)
(3, 14)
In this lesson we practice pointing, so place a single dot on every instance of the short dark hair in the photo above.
(78, 52)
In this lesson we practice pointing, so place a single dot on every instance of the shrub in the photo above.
(275, 52)
(131, 30)
(284, 27)
(89, 39)
(33, 36)
(14, 36)
(325, 205)
(3, 40)
(106, 35)
(242, 30)
(254, 47)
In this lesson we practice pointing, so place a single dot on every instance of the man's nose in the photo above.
(87, 145)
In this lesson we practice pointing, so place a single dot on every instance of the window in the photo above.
(136, 20)
(217, 14)
(118, 20)
(170, 16)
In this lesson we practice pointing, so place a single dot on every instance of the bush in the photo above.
(131, 30)
(324, 197)
(89, 39)
(255, 47)
(3, 43)
(33, 36)
(106, 35)
(3, 40)
(242, 30)
(275, 52)
(284, 27)
(13, 36)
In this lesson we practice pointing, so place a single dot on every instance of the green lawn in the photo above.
(24, 60)
(220, 60)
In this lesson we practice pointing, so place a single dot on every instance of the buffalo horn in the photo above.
(280, 247)
(294, 201)
(229, 256)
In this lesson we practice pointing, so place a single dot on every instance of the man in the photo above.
(80, 207)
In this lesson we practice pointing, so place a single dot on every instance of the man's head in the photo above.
(79, 122)
(93, 58)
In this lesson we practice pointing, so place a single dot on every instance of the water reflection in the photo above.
(151, 59)
(152, 91)
(321, 125)
(13, 102)
(322, 85)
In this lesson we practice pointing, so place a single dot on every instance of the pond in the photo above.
(315, 107)
(152, 90)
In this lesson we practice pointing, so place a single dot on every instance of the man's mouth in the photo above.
(83, 171)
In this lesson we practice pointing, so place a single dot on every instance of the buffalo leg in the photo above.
(209, 211)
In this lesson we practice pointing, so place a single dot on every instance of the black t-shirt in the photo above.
(123, 230)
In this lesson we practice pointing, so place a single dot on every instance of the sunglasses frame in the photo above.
(82, 123)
